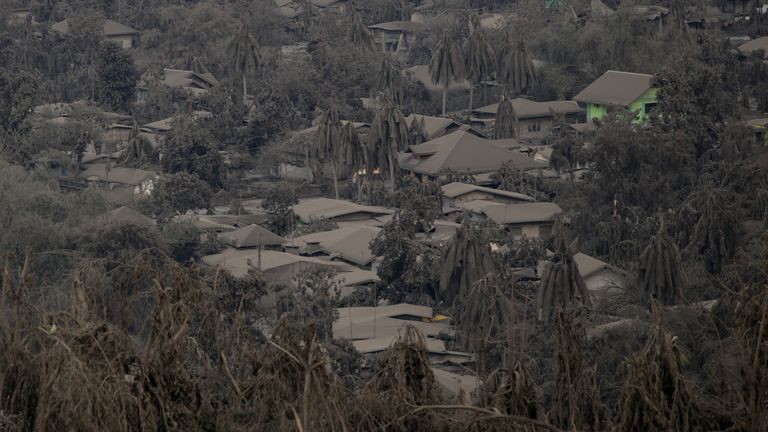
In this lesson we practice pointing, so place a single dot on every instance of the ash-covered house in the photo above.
(628, 90)
(343, 213)
(396, 36)
(252, 236)
(113, 31)
(197, 83)
(351, 244)
(137, 181)
(532, 220)
(456, 194)
(534, 120)
(463, 152)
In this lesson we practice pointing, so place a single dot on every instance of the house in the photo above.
(752, 47)
(433, 126)
(161, 127)
(530, 220)
(396, 35)
(339, 211)
(20, 15)
(116, 136)
(355, 279)
(204, 224)
(454, 194)
(196, 83)
(252, 236)
(462, 152)
(707, 17)
(600, 277)
(128, 215)
(140, 182)
(534, 119)
(350, 244)
(632, 91)
(294, 8)
(455, 388)
(121, 34)
(421, 74)
(277, 268)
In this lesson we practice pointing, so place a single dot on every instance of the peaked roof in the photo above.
(239, 262)
(462, 152)
(400, 26)
(351, 243)
(526, 108)
(327, 208)
(128, 215)
(507, 214)
(129, 176)
(589, 265)
(433, 126)
(188, 79)
(615, 88)
(456, 189)
(251, 236)
(110, 28)
(754, 45)
(165, 124)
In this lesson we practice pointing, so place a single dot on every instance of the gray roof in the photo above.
(128, 215)
(433, 126)
(754, 46)
(462, 152)
(456, 189)
(239, 262)
(511, 214)
(615, 88)
(421, 73)
(251, 236)
(326, 208)
(351, 243)
(110, 28)
(129, 176)
(526, 108)
(399, 26)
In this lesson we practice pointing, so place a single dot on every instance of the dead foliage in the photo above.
(656, 395)
(659, 274)
(510, 392)
(577, 398)
(561, 284)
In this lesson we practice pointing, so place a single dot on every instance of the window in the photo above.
(534, 127)
(650, 107)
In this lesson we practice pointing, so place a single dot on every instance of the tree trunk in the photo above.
(445, 94)
(335, 180)
(245, 88)
(471, 97)
(392, 170)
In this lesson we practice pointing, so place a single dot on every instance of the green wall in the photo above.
(637, 106)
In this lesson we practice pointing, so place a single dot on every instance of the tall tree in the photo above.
(390, 80)
(138, 150)
(515, 68)
(446, 65)
(478, 57)
(506, 119)
(561, 284)
(117, 74)
(245, 56)
(387, 137)
(359, 35)
(351, 152)
(659, 273)
(327, 142)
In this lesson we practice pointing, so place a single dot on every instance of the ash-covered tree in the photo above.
(659, 273)
(446, 65)
(326, 146)
(312, 301)
(117, 75)
(506, 119)
(562, 285)
(479, 57)
(278, 205)
(387, 137)
(17, 97)
(714, 236)
(178, 193)
(139, 150)
(244, 56)
(408, 269)
(467, 260)
(515, 70)
(189, 148)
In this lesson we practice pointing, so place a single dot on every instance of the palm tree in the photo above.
(387, 137)
(245, 56)
(327, 142)
(390, 79)
(138, 150)
(446, 65)
(417, 131)
(714, 235)
(351, 152)
(504, 126)
(515, 68)
(467, 260)
(359, 35)
(659, 272)
(478, 57)
(561, 284)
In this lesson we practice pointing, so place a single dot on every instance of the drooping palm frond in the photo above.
(479, 57)
(359, 35)
(515, 68)
(446, 65)
(390, 80)
(328, 141)
(244, 55)
(467, 260)
(417, 131)
(561, 284)
(506, 119)
(387, 137)
(138, 150)
(510, 392)
(659, 274)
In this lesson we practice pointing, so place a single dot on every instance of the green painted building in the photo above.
(632, 91)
